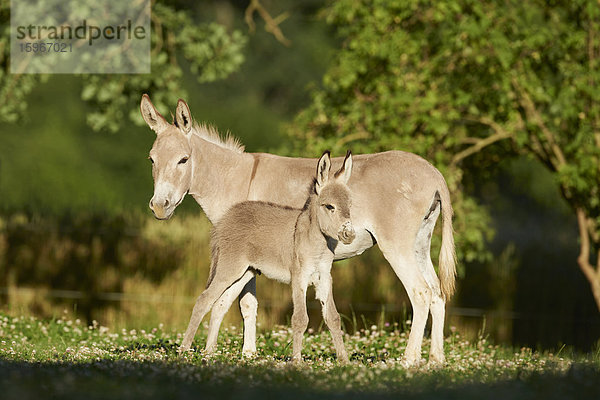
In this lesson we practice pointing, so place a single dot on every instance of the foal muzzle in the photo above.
(347, 234)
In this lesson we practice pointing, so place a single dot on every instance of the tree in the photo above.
(449, 80)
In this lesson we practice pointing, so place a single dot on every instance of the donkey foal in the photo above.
(290, 245)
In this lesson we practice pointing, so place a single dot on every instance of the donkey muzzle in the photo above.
(159, 208)
(347, 234)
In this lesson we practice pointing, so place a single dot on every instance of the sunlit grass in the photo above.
(65, 353)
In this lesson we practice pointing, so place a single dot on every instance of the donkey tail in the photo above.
(447, 259)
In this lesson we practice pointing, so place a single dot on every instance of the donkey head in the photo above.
(170, 156)
(333, 199)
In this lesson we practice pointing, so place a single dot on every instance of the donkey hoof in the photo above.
(248, 351)
(249, 354)
(297, 360)
(436, 361)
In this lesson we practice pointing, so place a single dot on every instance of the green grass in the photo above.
(66, 359)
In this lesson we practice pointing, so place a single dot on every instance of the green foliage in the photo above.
(13, 91)
(211, 52)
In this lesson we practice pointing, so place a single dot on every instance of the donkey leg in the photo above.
(299, 318)
(437, 308)
(419, 293)
(420, 298)
(248, 308)
(333, 321)
(220, 308)
(438, 313)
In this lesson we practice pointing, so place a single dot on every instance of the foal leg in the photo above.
(220, 308)
(204, 302)
(248, 308)
(299, 318)
(332, 319)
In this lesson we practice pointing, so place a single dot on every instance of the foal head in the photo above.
(333, 199)
(170, 156)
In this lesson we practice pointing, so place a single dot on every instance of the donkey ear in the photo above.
(155, 121)
(346, 169)
(183, 116)
(323, 167)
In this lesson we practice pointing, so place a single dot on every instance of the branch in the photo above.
(171, 45)
(361, 134)
(479, 144)
(534, 116)
(584, 245)
(592, 274)
(271, 24)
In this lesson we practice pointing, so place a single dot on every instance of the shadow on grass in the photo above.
(168, 346)
(173, 380)
(354, 357)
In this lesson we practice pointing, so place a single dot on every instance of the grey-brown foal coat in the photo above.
(289, 245)
(396, 200)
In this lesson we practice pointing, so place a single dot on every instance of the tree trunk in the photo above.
(592, 274)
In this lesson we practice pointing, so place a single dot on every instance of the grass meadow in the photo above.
(64, 358)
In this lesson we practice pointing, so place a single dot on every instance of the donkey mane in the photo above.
(212, 135)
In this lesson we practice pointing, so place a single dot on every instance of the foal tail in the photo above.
(447, 259)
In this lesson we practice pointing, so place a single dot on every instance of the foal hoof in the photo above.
(344, 361)
(412, 362)
(181, 351)
(342, 358)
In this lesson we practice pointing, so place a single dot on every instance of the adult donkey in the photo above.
(397, 198)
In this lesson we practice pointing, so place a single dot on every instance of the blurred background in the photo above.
(502, 98)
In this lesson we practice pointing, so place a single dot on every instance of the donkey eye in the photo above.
(183, 160)
(330, 207)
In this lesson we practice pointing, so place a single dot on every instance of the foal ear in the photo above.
(155, 121)
(183, 116)
(323, 167)
(346, 169)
